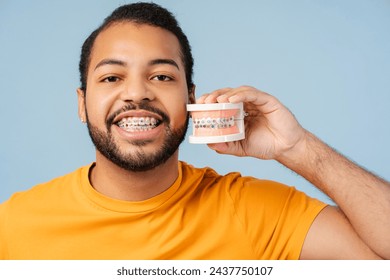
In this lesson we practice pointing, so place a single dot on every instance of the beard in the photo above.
(138, 160)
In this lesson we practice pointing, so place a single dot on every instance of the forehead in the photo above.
(127, 40)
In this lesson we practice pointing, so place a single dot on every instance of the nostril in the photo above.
(137, 92)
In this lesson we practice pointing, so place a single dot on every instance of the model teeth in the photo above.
(214, 123)
(138, 123)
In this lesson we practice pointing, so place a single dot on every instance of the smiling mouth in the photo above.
(136, 124)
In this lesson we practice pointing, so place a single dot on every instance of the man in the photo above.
(137, 201)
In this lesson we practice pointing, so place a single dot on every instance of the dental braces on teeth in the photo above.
(137, 123)
(216, 122)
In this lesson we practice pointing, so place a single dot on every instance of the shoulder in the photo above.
(236, 185)
(207, 177)
(40, 193)
(247, 194)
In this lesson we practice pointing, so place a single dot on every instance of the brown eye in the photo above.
(162, 78)
(111, 79)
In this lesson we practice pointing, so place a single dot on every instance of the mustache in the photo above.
(143, 105)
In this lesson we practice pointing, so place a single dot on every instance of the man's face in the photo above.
(135, 104)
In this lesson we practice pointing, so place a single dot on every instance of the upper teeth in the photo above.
(137, 123)
(216, 123)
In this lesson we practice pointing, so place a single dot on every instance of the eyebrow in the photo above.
(110, 61)
(164, 61)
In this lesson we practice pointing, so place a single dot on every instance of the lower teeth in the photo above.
(136, 128)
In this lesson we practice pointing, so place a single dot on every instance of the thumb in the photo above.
(218, 147)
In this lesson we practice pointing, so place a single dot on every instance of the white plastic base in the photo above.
(215, 139)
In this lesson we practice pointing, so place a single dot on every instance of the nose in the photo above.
(136, 90)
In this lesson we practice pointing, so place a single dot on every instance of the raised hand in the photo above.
(271, 129)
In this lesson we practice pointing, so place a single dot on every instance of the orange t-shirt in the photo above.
(203, 215)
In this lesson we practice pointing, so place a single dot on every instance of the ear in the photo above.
(191, 95)
(81, 105)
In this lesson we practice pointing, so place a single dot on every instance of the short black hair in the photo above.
(140, 13)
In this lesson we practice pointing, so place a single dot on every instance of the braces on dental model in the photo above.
(214, 123)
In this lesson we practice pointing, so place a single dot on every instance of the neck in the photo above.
(118, 183)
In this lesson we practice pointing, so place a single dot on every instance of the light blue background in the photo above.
(328, 61)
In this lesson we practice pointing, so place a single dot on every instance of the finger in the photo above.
(232, 95)
(218, 147)
(214, 96)
(263, 101)
(251, 95)
(209, 97)
(201, 99)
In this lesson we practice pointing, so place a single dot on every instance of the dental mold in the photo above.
(216, 122)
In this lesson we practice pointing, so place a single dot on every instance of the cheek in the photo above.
(97, 108)
(178, 114)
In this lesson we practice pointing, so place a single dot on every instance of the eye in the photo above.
(110, 79)
(162, 78)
